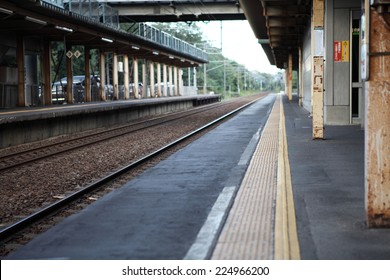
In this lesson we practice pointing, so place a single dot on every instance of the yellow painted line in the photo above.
(286, 236)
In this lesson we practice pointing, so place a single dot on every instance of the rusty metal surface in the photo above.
(378, 126)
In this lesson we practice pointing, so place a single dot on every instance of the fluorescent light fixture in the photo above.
(182, 60)
(155, 53)
(107, 40)
(36, 20)
(64, 28)
(135, 47)
(171, 57)
(6, 11)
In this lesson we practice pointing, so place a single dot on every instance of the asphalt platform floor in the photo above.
(328, 186)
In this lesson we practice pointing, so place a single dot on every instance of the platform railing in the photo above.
(162, 38)
(104, 13)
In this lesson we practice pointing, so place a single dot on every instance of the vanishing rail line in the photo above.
(29, 220)
(19, 158)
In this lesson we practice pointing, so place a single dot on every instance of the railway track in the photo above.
(22, 157)
(14, 228)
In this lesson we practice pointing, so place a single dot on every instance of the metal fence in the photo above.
(99, 11)
(162, 38)
(107, 15)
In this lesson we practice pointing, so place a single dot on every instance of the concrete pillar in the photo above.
(115, 75)
(317, 50)
(175, 81)
(87, 88)
(289, 77)
(158, 80)
(47, 98)
(126, 76)
(102, 65)
(377, 132)
(165, 86)
(170, 80)
(151, 78)
(145, 89)
(300, 78)
(136, 87)
(69, 77)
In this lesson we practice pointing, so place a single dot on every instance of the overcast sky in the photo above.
(238, 43)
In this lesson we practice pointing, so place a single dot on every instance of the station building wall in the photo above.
(337, 81)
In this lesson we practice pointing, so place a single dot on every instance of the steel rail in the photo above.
(103, 136)
(29, 220)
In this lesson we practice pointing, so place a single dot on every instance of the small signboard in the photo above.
(337, 51)
(345, 51)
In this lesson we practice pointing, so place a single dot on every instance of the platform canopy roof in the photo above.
(279, 27)
(54, 23)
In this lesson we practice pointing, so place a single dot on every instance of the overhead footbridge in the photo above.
(177, 10)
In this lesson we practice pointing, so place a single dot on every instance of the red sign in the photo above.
(337, 51)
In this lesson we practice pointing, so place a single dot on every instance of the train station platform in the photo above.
(256, 187)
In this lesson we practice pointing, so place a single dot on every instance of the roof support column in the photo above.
(115, 75)
(175, 81)
(136, 89)
(126, 76)
(181, 83)
(102, 65)
(300, 78)
(158, 80)
(151, 79)
(47, 98)
(170, 91)
(145, 89)
(69, 76)
(165, 88)
(21, 72)
(377, 132)
(317, 50)
(87, 90)
(289, 77)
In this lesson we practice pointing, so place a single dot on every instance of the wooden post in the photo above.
(115, 75)
(69, 76)
(289, 76)
(317, 51)
(126, 76)
(300, 78)
(175, 81)
(47, 97)
(158, 79)
(377, 132)
(102, 75)
(136, 88)
(87, 89)
(165, 89)
(151, 79)
(170, 80)
(21, 72)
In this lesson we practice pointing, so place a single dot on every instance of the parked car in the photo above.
(162, 88)
(59, 88)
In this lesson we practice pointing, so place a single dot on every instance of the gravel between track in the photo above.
(28, 188)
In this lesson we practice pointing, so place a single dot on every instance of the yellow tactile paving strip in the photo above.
(286, 237)
(248, 231)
